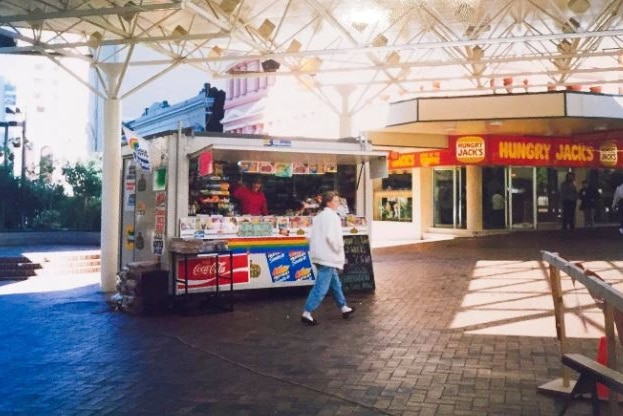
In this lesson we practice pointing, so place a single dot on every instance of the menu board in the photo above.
(358, 273)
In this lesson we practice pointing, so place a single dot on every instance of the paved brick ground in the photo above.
(457, 327)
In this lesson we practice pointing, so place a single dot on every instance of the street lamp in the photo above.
(7, 124)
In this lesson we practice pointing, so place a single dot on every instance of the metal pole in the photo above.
(22, 181)
(6, 145)
(24, 143)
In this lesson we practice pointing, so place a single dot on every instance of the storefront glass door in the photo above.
(547, 197)
(494, 206)
(449, 197)
(520, 197)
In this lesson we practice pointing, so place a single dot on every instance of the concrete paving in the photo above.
(455, 327)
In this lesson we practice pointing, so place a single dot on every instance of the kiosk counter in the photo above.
(278, 258)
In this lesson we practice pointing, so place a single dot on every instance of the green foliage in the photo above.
(9, 194)
(85, 179)
(42, 204)
(49, 219)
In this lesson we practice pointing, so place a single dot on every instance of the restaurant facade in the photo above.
(482, 182)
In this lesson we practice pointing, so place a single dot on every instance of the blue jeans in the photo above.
(326, 278)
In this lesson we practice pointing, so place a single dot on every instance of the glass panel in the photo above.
(493, 198)
(547, 203)
(521, 197)
(449, 198)
(397, 181)
(443, 197)
(606, 180)
(461, 204)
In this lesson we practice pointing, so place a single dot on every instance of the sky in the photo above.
(177, 85)
(69, 100)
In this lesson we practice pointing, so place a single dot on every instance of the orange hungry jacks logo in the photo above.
(608, 154)
(470, 149)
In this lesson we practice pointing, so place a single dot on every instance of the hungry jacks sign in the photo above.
(518, 151)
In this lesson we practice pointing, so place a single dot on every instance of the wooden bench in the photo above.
(591, 373)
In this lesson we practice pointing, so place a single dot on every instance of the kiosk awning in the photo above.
(377, 160)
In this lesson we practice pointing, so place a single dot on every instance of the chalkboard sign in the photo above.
(358, 274)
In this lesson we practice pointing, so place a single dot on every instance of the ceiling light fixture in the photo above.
(179, 31)
(464, 11)
(564, 46)
(379, 41)
(570, 26)
(95, 40)
(36, 24)
(393, 58)
(130, 14)
(229, 6)
(578, 6)
(294, 46)
(311, 65)
(363, 14)
(215, 52)
(477, 53)
(266, 28)
(270, 65)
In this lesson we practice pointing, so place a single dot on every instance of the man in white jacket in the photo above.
(617, 200)
(326, 250)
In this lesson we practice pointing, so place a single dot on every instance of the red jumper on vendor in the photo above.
(252, 201)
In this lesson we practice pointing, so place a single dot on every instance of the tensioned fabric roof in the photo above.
(390, 49)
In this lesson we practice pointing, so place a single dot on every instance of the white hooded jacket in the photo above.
(326, 243)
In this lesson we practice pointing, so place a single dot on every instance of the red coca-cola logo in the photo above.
(202, 271)
(208, 269)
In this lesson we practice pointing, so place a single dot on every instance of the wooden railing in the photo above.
(607, 298)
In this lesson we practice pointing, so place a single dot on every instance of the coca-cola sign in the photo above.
(203, 271)
(208, 269)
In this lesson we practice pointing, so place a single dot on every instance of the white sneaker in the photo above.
(621, 231)
(347, 311)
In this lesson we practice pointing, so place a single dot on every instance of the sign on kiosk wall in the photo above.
(202, 272)
(517, 151)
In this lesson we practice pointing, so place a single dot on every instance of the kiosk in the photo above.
(185, 202)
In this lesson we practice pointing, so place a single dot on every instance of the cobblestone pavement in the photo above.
(455, 327)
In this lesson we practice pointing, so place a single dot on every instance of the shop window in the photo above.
(285, 195)
(396, 208)
(449, 202)
(393, 198)
(397, 181)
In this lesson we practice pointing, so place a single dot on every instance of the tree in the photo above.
(83, 209)
(9, 191)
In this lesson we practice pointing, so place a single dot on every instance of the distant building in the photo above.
(262, 103)
(246, 101)
(203, 112)
(51, 105)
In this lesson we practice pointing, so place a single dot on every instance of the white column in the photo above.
(346, 118)
(424, 198)
(111, 194)
(473, 199)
